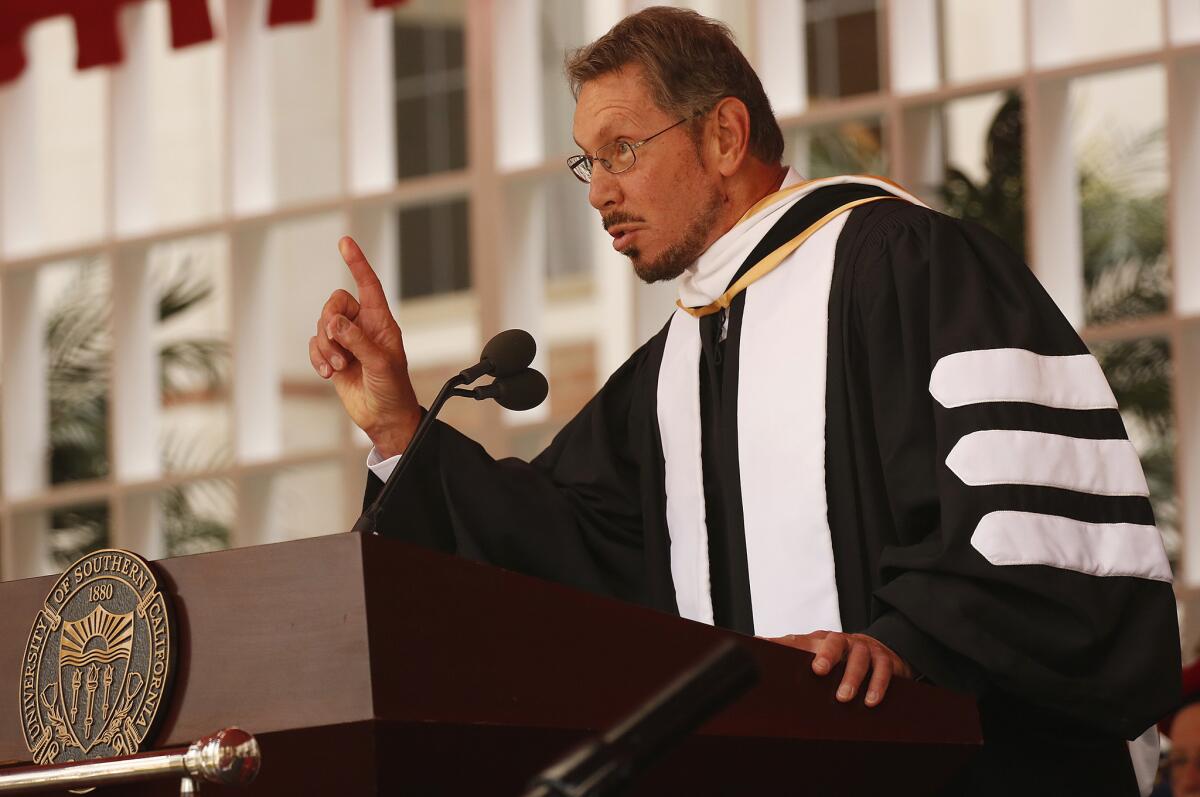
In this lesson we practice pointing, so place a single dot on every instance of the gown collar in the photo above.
(706, 279)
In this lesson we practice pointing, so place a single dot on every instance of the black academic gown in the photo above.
(1066, 664)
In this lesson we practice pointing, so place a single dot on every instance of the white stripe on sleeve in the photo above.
(1099, 549)
(1009, 456)
(1072, 382)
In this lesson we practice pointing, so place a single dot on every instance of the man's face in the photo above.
(1185, 752)
(662, 213)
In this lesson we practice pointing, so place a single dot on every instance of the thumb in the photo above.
(350, 335)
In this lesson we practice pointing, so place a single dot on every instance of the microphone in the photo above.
(517, 387)
(607, 763)
(507, 354)
(521, 391)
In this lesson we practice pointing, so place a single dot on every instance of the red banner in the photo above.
(190, 23)
(283, 12)
(97, 33)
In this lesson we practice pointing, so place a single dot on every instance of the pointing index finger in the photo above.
(370, 291)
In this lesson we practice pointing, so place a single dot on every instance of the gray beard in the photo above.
(681, 254)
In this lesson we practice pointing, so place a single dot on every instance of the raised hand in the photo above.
(358, 345)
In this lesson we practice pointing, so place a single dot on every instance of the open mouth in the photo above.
(622, 237)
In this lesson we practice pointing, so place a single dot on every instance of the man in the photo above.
(1184, 760)
(1183, 728)
(867, 432)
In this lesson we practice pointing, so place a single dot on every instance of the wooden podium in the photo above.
(367, 666)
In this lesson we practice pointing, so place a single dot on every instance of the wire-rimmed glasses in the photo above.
(616, 157)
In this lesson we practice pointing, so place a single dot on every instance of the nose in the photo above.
(604, 192)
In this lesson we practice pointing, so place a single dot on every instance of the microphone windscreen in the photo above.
(510, 352)
(524, 391)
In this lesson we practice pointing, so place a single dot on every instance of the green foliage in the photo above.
(79, 353)
(187, 530)
(849, 148)
(75, 531)
(997, 203)
(1124, 229)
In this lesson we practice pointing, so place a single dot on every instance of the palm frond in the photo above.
(998, 201)
(183, 291)
(189, 531)
(192, 364)
(851, 148)
(77, 531)
(194, 453)
(79, 353)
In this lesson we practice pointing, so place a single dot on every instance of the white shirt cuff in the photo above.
(382, 468)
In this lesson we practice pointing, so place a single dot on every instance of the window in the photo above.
(434, 249)
(74, 301)
(1065, 31)
(189, 281)
(983, 176)
(1118, 122)
(305, 102)
(561, 32)
(570, 221)
(982, 40)
(842, 47)
(851, 147)
(430, 92)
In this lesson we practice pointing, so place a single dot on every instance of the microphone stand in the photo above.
(506, 353)
(366, 522)
(606, 764)
(519, 391)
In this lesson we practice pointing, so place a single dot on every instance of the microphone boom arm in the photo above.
(516, 386)
(366, 522)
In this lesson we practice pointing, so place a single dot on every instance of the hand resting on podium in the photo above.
(862, 653)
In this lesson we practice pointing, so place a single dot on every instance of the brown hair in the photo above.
(690, 63)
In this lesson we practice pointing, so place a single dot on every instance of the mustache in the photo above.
(613, 219)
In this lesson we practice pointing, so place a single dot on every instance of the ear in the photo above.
(729, 136)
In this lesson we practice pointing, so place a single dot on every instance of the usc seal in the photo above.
(98, 663)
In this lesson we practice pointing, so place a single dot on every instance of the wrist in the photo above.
(392, 437)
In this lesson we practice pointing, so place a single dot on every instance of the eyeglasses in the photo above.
(1181, 759)
(617, 157)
